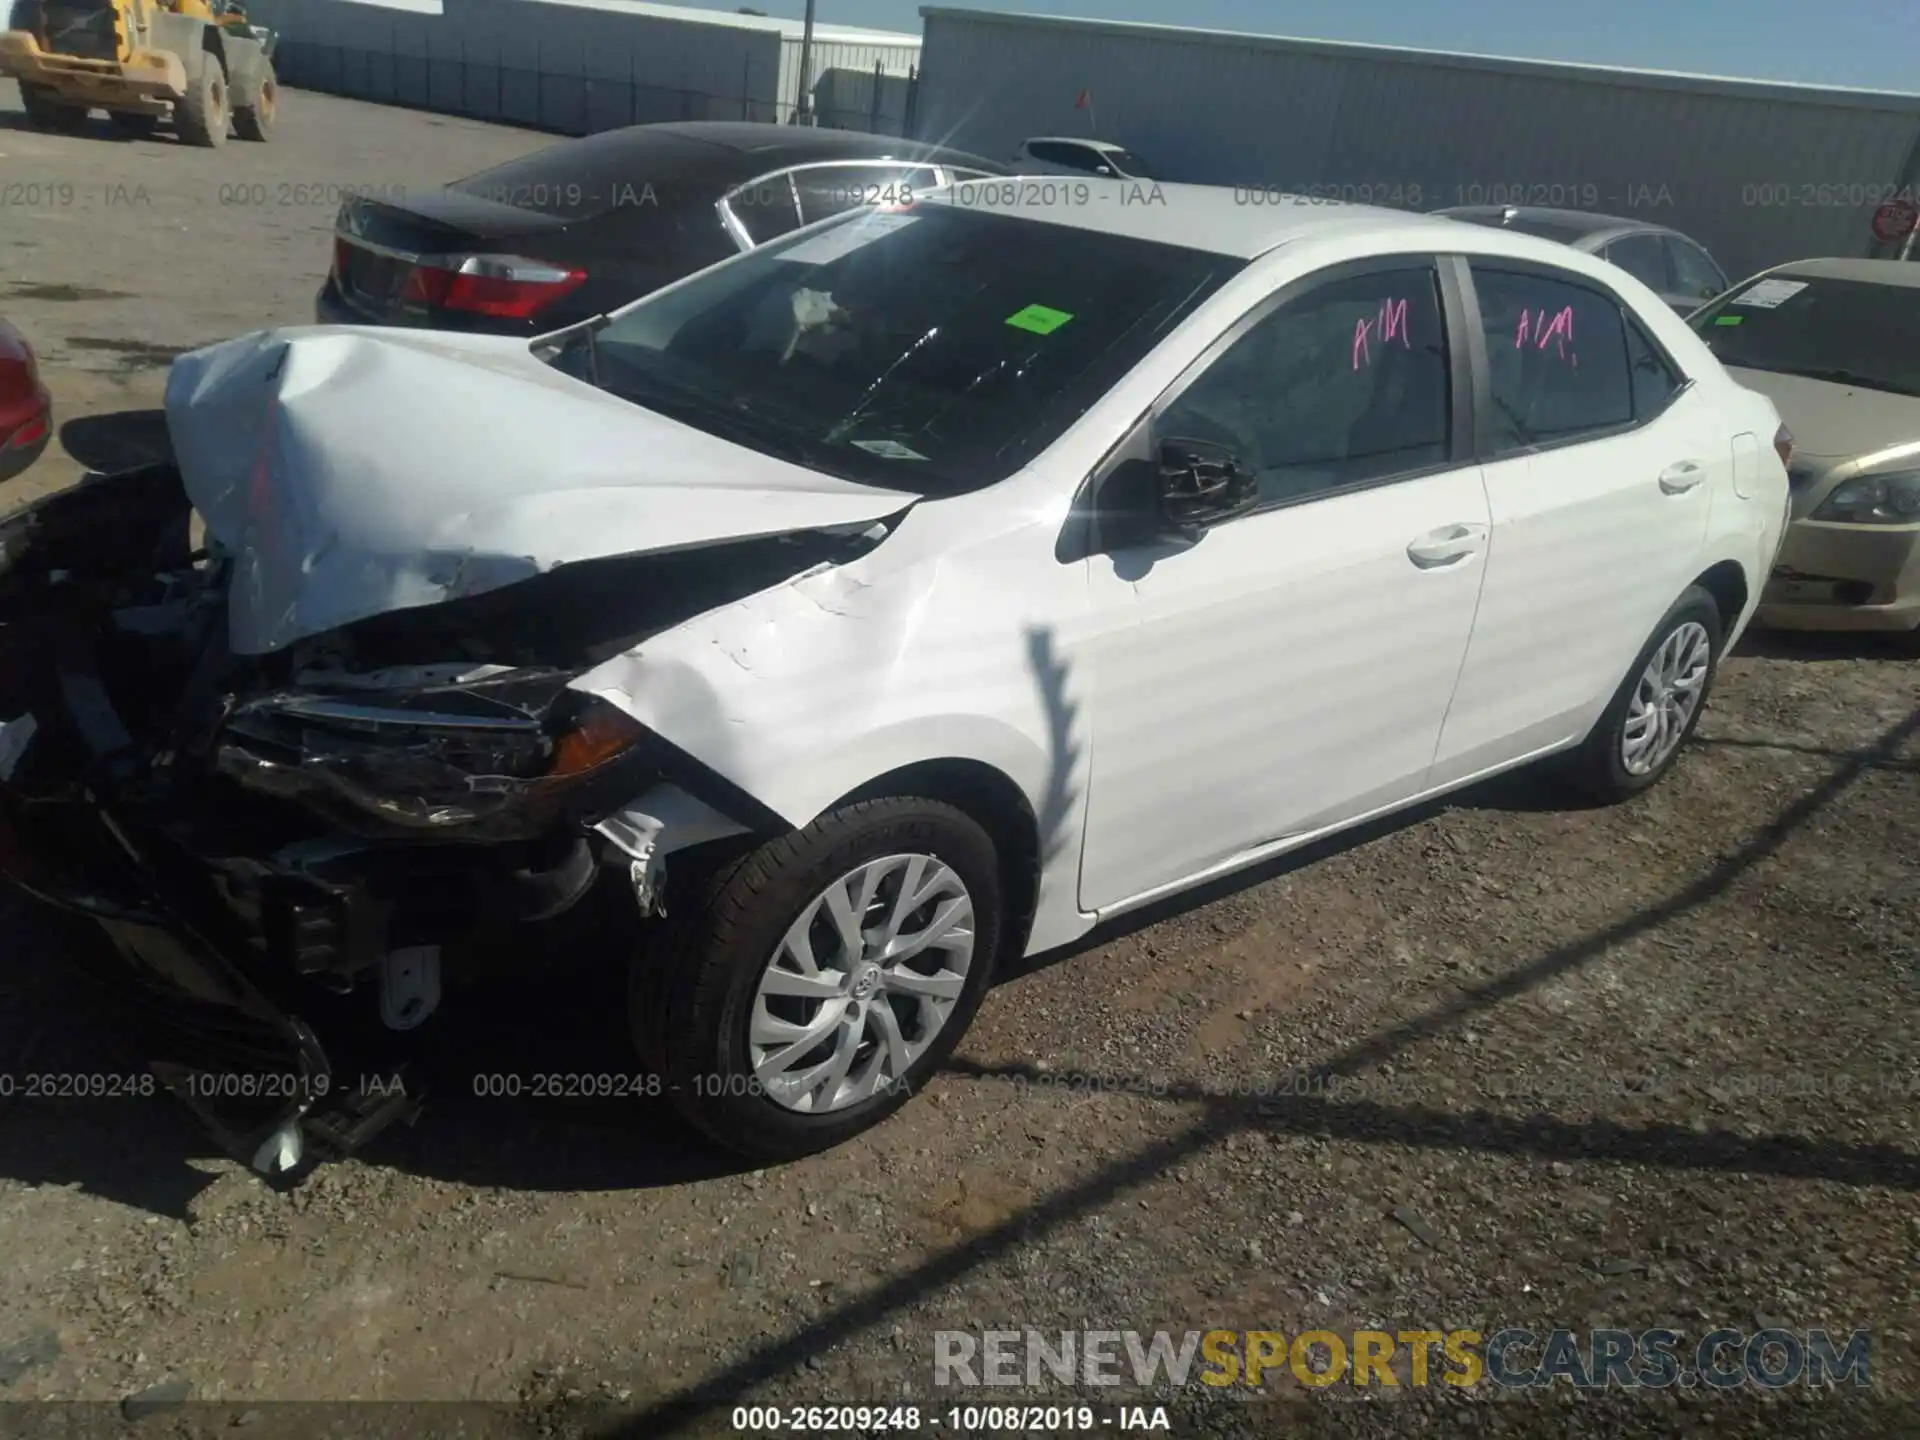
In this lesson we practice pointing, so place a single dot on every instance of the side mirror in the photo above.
(1200, 483)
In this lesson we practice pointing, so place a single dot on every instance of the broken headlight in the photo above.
(481, 762)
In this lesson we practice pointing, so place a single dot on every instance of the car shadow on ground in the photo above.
(118, 440)
(1818, 645)
(96, 128)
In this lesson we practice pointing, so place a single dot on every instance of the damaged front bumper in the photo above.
(282, 864)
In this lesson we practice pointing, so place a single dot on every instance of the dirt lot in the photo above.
(1653, 1066)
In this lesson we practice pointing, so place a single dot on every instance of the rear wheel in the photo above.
(134, 123)
(46, 111)
(200, 116)
(1655, 709)
(801, 993)
(254, 112)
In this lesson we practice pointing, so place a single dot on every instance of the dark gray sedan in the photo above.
(1675, 268)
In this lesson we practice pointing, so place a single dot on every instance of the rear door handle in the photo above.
(1682, 476)
(1448, 545)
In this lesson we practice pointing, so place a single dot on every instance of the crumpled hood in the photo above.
(355, 471)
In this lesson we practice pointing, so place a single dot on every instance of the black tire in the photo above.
(1598, 768)
(134, 123)
(253, 117)
(201, 116)
(692, 996)
(46, 111)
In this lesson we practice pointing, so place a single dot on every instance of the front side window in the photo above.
(1346, 383)
(1556, 356)
(1695, 276)
(1852, 332)
(934, 349)
(1643, 257)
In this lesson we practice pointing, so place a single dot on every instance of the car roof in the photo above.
(1586, 222)
(723, 153)
(1220, 220)
(1085, 140)
(1903, 273)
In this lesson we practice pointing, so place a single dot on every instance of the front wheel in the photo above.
(1654, 711)
(201, 116)
(253, 114)
(46, 111)
(803, 992)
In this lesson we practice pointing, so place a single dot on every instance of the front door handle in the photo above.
(1681, 477)
(1448, 545)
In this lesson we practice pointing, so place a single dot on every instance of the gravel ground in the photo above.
(1649, 1066)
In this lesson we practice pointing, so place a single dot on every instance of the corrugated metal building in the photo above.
(578, 66)
(1759, 172)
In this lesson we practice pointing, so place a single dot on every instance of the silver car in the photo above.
(1830, 342)
(1677, 269)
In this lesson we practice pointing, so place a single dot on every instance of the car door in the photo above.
(1292, 666)
(1600, 462)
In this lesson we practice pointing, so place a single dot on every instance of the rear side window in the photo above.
(766, 209)
(1556, 356)
(1076, 156)
(1655, 381)
(1346, 383)
(833, 189)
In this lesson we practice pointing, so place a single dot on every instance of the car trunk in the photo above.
(400, 261)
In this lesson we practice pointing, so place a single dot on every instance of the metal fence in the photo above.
(843, 95)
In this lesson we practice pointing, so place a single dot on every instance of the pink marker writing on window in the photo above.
(1541, 329)
(1389, 324)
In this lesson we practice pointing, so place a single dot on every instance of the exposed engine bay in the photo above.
(318, 828)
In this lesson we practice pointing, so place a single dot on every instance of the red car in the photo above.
(26, 410)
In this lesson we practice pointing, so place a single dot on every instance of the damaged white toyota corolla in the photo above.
(873, 609)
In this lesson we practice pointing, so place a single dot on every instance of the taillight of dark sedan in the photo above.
(26, 410)
(502, 287)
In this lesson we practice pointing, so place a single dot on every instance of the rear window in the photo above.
(580, 179)
(1850, 331)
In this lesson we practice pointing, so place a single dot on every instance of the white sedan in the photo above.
(888, 603)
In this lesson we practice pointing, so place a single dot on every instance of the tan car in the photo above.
(1831, 343)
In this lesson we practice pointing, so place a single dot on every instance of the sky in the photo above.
(1870, 44)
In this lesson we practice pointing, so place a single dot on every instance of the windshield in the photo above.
(1850, 331)
(928, 347)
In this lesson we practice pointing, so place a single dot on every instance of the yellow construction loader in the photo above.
(142, 61)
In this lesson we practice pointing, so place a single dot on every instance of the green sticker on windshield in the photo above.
(1040, 319)
(1728, 319)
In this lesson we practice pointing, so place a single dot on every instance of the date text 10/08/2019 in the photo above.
(961, 1419)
